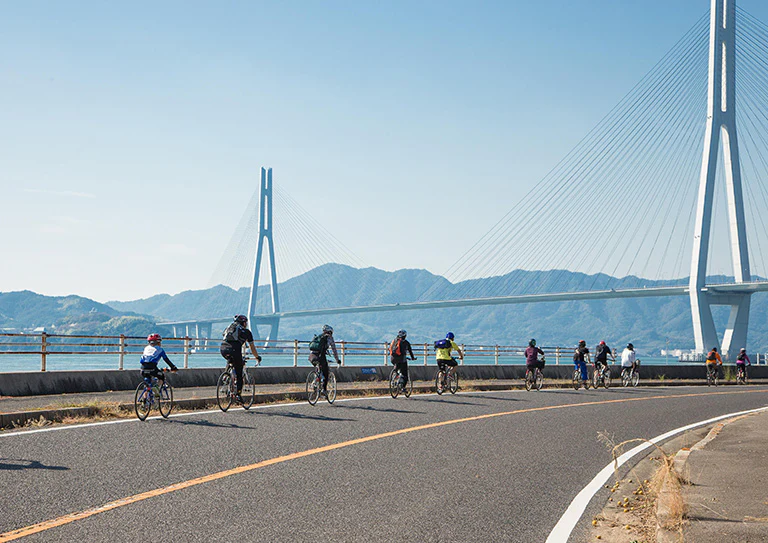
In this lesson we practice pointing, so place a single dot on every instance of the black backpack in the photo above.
(318, 343)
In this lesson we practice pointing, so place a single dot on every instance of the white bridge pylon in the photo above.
(721, 127)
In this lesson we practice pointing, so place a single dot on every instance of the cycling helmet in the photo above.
(402, 333)
(582, 343)
(743, 350)
(327, 329)
(602, 343)
(153, 337)
(240, 319)
(449, 335)
(714, 349)
(630, 346)
(532, 343)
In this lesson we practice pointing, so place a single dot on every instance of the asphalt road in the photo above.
(495, 478)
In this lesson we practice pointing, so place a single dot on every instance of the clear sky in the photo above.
(131, 134)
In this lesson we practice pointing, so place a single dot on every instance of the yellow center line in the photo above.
(73, 517)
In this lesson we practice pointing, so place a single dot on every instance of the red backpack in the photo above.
(395, 347)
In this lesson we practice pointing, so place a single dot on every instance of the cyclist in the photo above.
(231, 349)
(152, 354)
(318, 353)
(580, 359)
(629, 358)
(714, 360)
(532, 357)
(398, 350)
(601, 356)
(443, 354)
(741, 362)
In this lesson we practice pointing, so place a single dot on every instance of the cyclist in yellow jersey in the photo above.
(713, 359)
(443, 354)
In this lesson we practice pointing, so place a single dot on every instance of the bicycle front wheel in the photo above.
(224, 391)
(607, 379)
(142, 401)
(453, 382)
(528, 380)
(408, 390)
(165, 399)
(635, 378)
(539, 379)
(249, 390)
(331, 389)
(313, 387)
(394, 385)
(439, 382)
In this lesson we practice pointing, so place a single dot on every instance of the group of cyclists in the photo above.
(714, 364)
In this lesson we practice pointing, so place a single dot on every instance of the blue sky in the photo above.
(131, 134)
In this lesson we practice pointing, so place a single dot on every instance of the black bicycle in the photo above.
(226, 388)
(601, 376)
(712, 375)
(741, 374)
(396, 384)
(630, 376)
(315, 386)
(446, 379)
(535, 378)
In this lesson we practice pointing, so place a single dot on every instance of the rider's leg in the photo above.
(403, 367)
(583, 368)
(324, 370)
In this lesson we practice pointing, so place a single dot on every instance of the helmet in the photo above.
(449, 335)
(714, 349)
(630, 346)
(582, 343)
(743, 350)
(154, 337)
(602, 343)
(532, 343)
(402, 333)
(241, 319)
(327, 329)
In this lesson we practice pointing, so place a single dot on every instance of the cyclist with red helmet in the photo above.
(231, 348)
(580, 359)
(602, 351)
(152, 354)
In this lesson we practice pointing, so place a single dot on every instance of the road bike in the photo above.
(226, 388)
(712, 375)
(534, 378)
(396, 384)
(577, 380)
(630, 376)
(741, 374)
(150, 393)
(601, 377)
(446, 379)
(315, 386)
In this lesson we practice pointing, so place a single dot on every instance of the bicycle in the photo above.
(741, 374)
(630, 376)
(149, 394)
(577, 380)
(226, 388)
(315, 386)
(712, 375)
(446, 379)
(396, 386)
(601, 376)
(534, 378)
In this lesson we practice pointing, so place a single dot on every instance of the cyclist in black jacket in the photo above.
(231, 349)
(398, 350)
(318, 353)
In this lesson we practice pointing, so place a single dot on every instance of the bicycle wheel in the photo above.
(539, 379)
(576, 379)
(439, 382)
(313, 387)
(408, 389)
(607, 379)
(717, 378)
(249, 390)
(142, 401)
(625, 377)
(453, 382)
(394, 388)
(635, 378)
(528, 380)
(331, 388)
(224, 391)
(165, 399)
(595, 379)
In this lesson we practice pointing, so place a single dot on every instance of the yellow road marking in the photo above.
(73, 517)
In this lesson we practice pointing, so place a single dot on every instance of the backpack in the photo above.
(741, 356)
(229, 333)
(318, 343)
(395, 347)
(442, 344)
(711, 356)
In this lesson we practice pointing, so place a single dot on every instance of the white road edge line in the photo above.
(565, 526)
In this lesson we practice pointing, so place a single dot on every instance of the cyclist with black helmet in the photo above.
(714, 361)
(443, 354)
(398, 350)
(580, 359)
(318, 353)
(231, 349)
(629, 358)
(602, 351)
(532, 356)
(152, 354)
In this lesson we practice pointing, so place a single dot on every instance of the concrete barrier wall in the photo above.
(62, 382)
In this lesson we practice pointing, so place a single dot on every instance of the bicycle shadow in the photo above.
(380, 410)
(301, 416)
(205, 423)
(444, 399)
(489, 397)
(19, 464)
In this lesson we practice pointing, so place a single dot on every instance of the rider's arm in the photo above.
(253, 351)
(456, 348)
(167, 360)
(719, 360)
(332, 345)
(410, 351)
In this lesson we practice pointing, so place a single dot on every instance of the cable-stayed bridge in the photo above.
(623, 203)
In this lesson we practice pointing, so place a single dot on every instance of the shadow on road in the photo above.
(444, 399)
(489, 397)
(294, 415)
(18, 464)
(386, 410)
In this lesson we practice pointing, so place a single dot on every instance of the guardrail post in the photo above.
(557, 356)
(122, 352)
(463, 354)
(496, 354)
(343, 353)
(426, 353)
(295, 352)
(386, 346)
(43, 351)
(186, 352)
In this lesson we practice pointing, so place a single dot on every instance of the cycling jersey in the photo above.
(152, 355)
(628, 358)
(445, 354)
(742, 358)
(532, 355)
(580, 353)
(235, 335)
(713, 357)
(601, 353)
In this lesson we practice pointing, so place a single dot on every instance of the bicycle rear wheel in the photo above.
(249, 390)
(165, 399)
(595, 379)
(394, 386)
(625, 377)
(224, 391)
(576, 379)
(439, 382)
(331, 389)
(313, 387)
(539, 379)
(453, 382)
(142, 402)
(607, 379)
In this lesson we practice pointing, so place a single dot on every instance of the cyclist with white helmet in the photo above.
(318, 353)
(231, 349)
(152, 354)
(444, 350)
(741, 362)
(398, 350)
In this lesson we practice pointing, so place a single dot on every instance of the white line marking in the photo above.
(564, 527)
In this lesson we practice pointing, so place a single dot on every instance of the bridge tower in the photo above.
(721, 126)
(265, 237)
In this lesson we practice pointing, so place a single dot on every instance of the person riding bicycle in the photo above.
(318, 353)
(713, 361)
(443, 352)
(152, 354)
(742, 360)
(532, 357)
(580, 359)
(601, 356)
(629, 358)
(399, 348)
(231, 349)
